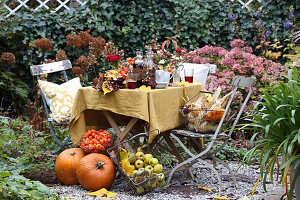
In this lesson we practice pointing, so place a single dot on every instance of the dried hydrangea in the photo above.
(43, 43)
(97, 46)
(49, 61)
(109, 49)
(86, 38)
(61, 55)
(92, 59)
(74, 40)
(96, 81)
(83, 62)
(8, 59)
(77, 70)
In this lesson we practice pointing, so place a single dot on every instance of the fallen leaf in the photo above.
(104, 190)
(205, 188)
(111, 194)
(221, 198)
(102, 193)
(96, 194)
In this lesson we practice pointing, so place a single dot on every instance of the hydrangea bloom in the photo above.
(238, 61)
(237, 43)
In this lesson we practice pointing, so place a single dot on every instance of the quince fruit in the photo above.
(153, 162)
(154, 185)
(140, 155)
(138, 164)
(158, 168)
(132, 158)
(147, 157)
(149, 167)
(139, 149)
(161, 177)
(161, 183)
(139, 189)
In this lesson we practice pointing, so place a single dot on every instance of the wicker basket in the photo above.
(148, 182)
(204, 120)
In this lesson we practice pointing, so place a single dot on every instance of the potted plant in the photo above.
(276, 123)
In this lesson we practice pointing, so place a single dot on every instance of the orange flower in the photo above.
(130, 60)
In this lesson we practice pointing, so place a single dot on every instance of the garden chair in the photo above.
(206, 152)
(43, 69)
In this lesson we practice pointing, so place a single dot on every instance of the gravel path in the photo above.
(246, 178)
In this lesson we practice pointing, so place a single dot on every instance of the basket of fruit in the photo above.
(96, 141)
(203, 112)
(143, 169)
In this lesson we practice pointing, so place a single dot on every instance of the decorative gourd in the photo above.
(65, 165)
(215, 115)
(96, 171)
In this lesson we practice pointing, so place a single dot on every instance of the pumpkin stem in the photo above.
(99, 165)
(73, 153)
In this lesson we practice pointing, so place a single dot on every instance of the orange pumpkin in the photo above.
(215, 115)
(96, 171)
(65, 165)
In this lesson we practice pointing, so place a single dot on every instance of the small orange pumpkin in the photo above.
(96, 171)
(215, 115)
(66, 164)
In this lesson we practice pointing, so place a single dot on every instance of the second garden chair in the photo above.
(206, 152)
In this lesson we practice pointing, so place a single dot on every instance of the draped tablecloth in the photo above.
(158, 108)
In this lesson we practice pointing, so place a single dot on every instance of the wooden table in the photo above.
(134, 109)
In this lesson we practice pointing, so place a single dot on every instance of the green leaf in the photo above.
(267, 128)
(4, 174)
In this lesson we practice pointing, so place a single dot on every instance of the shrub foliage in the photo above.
(133, 24)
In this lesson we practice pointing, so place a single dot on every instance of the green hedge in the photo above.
(133, 24)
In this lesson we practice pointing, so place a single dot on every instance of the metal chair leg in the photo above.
(53, 134)
(65, 143)
(182, 145)
(195, 159)
(229, 169)
(60, 144)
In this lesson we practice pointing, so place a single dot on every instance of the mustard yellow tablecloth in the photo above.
(159, 108)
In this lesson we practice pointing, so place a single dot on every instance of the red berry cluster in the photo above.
(96, 141)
